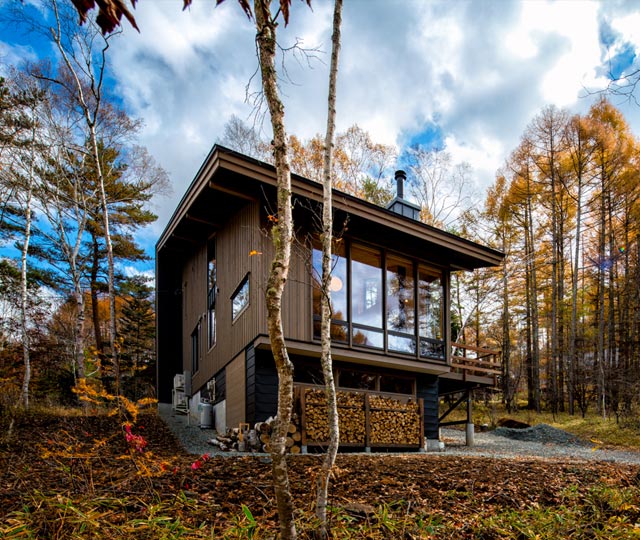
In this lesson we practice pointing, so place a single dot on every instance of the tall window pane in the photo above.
(430, 313)
(338, 287)
(366, 296)
(212, 291)
(240, 298)
(400, 305)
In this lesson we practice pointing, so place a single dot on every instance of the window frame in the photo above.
(245, 281)
(195, 347)
(212, 293)
(436, 347)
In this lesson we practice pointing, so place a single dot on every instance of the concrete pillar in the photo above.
(470, 427)
(470, 433)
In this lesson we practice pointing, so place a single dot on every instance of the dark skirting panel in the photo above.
(262, 385)
(427, 389)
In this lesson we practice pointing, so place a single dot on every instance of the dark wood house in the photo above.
(390, 297)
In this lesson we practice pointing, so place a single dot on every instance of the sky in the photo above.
(465, 75)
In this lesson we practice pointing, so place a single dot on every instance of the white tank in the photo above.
(206, 415)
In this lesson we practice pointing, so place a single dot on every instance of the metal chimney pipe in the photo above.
(401, 176)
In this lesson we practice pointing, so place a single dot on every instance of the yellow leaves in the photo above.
(254, 252)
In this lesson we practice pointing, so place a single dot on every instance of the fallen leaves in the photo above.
(217, 487)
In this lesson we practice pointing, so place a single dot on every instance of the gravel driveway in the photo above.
(541, 441)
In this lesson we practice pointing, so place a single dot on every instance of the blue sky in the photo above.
(463, 75)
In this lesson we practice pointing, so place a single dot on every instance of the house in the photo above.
(390, 298)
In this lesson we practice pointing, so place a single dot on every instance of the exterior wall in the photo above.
(427, 389)
(234, 243)
(235, 377)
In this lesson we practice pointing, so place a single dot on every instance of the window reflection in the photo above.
(400, 305)
(338, 288)
(430, 313)
(413, 310)
(366, 296)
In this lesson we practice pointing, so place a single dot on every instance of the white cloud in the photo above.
(480, 71)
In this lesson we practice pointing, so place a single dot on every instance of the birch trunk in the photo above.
(91, 113)
(282, 238)
(325, 299)
(24, 319)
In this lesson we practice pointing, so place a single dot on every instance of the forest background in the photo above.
(563, 206)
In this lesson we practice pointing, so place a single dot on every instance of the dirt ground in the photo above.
(65, 455)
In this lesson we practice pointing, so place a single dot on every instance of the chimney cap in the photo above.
(400, 174)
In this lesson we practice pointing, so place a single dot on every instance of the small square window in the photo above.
(240, 298)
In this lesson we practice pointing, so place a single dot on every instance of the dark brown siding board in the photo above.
(221, 386)
(427, 389)
(266, 389)
(250, 365)
(194, 294)
(236, 385)
(233, 246)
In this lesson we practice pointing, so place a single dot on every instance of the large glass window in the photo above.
(401, 306)
(240, 298)
(366, 297)
(431, 314)
(398, 306)
(212, 292)
(338, 289)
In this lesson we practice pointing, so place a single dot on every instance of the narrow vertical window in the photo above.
(195, 349)
(240, 298)
(212, 292)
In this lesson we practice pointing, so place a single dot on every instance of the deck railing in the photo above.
(478, 361)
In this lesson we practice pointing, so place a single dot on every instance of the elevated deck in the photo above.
(471, 367)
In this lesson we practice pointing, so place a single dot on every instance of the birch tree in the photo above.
(20, 178)
(325, 299)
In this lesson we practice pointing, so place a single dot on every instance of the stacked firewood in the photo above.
(243, 439)
(292, 442)
(394, 421)
(351, 416)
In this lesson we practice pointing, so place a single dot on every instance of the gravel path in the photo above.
(541, 441)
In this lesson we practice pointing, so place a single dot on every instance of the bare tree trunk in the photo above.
(325, 299)
(24, 319)
(91, 113)
(282, 239)
(574, 300)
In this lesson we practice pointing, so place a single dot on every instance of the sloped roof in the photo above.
(227, 179)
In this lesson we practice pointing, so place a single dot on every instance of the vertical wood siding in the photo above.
(234, 244)
(427, 389)
(266, 387)
(235, 375)
(250, 367)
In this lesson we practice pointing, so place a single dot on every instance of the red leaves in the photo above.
(110, 13)
(199, 462)
(137, 442)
